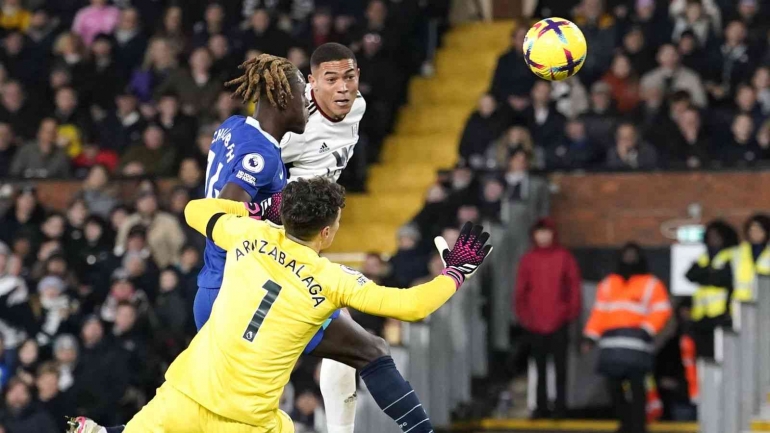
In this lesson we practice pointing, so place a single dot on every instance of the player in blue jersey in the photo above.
(244, 161)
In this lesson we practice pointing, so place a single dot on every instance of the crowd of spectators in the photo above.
(132, 84)
(675, 85)
(96, 300)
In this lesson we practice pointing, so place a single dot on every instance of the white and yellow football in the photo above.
(554, 49)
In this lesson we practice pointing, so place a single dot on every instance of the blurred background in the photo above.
(651, 162)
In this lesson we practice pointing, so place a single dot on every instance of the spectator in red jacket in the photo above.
(547, 300)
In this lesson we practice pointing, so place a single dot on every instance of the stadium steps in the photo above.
(426, 138)
(761, 423)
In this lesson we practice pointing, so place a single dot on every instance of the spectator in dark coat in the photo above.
(101, 374)
(690, 148)
(692, 54)
(630, 152)
(641, 55)
(213, 24)
(123, 126)
(23, 218)
(180, 128)
(512, 75)
(130, 43)
(576, 152)
(16, 110)
(742, 149)
(22, 414)
(108, 76)
(599, 30)
(18, 60)
(483, 127)
(730, 64)
(263, 36)
(171, 316)
(58, 404)
(129, 336)
(408, 263)
(601, 118)
(7, 147)
(42, 158)
(41, 34)
(543, 120)
(547, 299)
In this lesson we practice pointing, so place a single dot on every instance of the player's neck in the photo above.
(269, 122)
(314, 245)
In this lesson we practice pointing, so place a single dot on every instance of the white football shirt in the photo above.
(326, 146)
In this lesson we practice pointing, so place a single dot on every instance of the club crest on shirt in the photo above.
(253, 162)
(349, 270)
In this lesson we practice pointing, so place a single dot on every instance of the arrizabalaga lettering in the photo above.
(259, 246)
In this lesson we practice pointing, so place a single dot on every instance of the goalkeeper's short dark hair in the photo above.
(331, 52)
(307, 206)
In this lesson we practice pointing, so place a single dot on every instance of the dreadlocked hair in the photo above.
(264, 75)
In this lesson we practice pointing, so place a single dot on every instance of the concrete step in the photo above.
(365, 237)
(405, 179)
(448, 119)
(441, 90)
(385, 208)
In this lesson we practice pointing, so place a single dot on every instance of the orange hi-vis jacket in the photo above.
(687, 350)
(625, 317)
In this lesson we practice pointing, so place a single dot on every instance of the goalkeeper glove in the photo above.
(466, 256)
(267, 210)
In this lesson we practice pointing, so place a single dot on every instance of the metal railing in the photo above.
(734, 384)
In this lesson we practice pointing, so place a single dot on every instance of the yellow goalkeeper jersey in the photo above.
(275, 295)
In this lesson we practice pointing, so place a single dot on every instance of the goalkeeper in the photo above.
(276, 293)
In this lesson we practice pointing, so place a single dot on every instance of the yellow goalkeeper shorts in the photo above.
(170, 411)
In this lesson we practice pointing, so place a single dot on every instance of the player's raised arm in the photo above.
(418, 302)
(210, 217)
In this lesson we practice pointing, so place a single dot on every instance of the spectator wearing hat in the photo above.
(97, 18)
(65, 354)
(153, 156)
(670, 75)
(22, 414)
(56, 403)
(42, 158)
(130, 42)
(409, 263)
(123, 126)
(57, 309)
(164, 234)
(197, 87)
(602, 117)
(630, 151)
(101, 374)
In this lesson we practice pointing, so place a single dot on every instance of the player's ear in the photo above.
(311, 80)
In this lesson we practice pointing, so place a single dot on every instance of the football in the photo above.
(554, 49)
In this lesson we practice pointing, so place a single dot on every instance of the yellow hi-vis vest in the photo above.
(745, 271)
(711, 301)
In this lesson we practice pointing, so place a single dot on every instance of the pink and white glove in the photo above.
(466, 256)
(268, 210)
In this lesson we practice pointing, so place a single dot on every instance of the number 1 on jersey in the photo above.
(273, 289)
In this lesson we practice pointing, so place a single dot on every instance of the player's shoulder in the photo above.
(340, 273)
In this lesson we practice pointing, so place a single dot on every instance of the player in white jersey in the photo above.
(324, 149)
(328, 143)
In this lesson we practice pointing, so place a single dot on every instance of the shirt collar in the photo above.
(255, 123)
